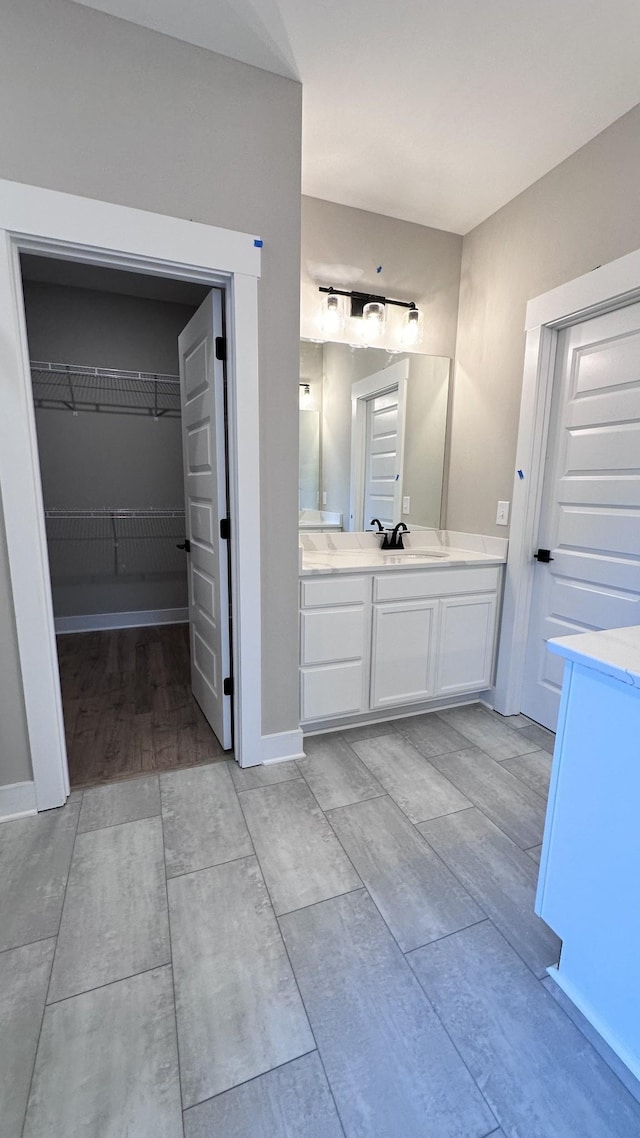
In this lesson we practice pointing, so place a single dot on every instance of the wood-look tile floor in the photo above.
(334, 948)
(128, 707)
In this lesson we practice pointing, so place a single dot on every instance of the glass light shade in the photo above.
(373, 316)
(412, 331)
(333, 314)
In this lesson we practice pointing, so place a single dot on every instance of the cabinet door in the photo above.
(403, 652)
(466, 643)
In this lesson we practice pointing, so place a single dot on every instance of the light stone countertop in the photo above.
(614, 652)
(424, 549)
(319, 519)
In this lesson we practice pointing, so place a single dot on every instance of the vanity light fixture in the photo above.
(333, 314)
(371, 309)
(412, 331)
(373, 317)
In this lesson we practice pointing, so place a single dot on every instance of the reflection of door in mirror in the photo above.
(418, 471)
(378, 405)
(381, 478)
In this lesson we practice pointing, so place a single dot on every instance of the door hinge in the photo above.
(224, 529)
(227, 686)
(221, 348)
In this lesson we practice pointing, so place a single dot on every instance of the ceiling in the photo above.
(434, 111)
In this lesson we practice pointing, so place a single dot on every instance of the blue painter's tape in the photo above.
(520, 475)
(258, 242)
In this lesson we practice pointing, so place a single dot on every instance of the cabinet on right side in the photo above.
(466, 637)
(433, 634)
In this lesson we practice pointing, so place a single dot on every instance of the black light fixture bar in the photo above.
(359, 299)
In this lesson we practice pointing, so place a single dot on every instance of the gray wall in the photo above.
(582, 214)
(310, 416)
(345, 247)
(90, 460)
(425, 438)
(101, 328)
(116, 112)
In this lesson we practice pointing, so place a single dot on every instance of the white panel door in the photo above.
(590, 519)
(204, 460)
(381, 480)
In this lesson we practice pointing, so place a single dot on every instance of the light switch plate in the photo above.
(502, 514)
(406, 504)
(324, 497)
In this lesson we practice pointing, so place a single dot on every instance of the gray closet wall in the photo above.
(93, 460)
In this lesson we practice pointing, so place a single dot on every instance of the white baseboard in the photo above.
(97, 622)
(17, 800)
(282, 747)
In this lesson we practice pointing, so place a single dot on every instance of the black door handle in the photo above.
(186, 545)
(543, 555)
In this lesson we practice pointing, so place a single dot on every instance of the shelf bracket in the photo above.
(71, 395)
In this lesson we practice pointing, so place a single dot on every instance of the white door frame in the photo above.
(361, 391)
(611, 286)
(53, 224)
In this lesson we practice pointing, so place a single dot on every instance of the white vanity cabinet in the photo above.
(384, 640)
(466, 642)
(590, 864)
(403, 652)
(334, 645)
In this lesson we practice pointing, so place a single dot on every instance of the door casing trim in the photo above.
(55, 224)
(614, 285)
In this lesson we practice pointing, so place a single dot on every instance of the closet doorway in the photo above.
(142, 613)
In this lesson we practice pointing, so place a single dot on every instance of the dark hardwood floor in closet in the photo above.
(128, 707)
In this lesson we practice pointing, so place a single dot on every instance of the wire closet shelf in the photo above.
(115, 540)
(75, 388)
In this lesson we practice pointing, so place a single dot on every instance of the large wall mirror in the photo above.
(373, 428)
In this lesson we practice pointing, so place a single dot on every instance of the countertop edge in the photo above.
(613, 652)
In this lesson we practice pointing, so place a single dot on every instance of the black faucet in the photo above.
(392, 538)
(385, 540)
(395, 541)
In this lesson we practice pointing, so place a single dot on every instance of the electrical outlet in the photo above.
(406, 504)
(502, 515)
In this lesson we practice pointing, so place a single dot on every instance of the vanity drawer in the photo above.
(335, 689)
(332, 634)
(316, 592)
(436, 582)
